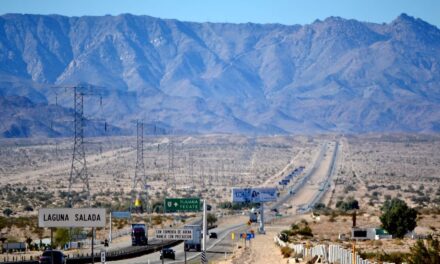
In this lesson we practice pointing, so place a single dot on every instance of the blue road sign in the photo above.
(123, 214)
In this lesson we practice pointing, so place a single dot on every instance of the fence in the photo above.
(328, 253)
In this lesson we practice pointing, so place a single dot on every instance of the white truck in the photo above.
(196, 242)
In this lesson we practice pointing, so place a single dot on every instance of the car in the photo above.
(213, 235)
(58, 257)
(168, 253)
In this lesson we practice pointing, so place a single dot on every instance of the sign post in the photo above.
(102, 256)
(255, 195)
(93, 246)
(204, 259)
(110, 233)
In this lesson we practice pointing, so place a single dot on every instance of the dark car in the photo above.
(58, 257)
(213, 235)
(167, 253)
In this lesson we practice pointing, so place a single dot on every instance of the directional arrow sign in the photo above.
(182, 204)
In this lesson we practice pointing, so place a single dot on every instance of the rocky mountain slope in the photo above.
(333, 75)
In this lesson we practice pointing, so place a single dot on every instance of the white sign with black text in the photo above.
(71, 217)
(174, 234)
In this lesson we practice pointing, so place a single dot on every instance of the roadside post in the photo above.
(103, 256)
(261, 228)
(51, 245)
(110, 231)
(204, 259)
(93, 245)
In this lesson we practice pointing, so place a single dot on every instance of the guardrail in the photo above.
(119, 254)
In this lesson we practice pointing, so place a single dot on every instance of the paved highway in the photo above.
(216, 248)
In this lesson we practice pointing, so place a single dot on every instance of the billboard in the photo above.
(71, 217)
(254, 195)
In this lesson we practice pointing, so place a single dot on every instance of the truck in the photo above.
(139, 234)
(196, 242)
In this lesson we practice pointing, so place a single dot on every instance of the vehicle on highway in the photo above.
(253, 215)
(196, 242)
(168, 253)
(213, 235)
(139, 235)
(58, 257)
(275, 210)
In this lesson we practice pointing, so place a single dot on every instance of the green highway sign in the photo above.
(182, 204)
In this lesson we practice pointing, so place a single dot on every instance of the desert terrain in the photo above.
(369, 168)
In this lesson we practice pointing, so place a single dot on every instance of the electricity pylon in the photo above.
(78, 170)
(171, 171)
(140, 177)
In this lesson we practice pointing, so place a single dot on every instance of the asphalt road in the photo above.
(215, 248)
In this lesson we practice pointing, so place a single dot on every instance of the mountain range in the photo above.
(336, 75)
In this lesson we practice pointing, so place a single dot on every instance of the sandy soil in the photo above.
(261, 250)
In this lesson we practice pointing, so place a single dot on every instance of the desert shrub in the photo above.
(428, 253)
(286, 251)
(294, 226)
(350, 204)
(7, 212)
(397, 218)
(306, 231)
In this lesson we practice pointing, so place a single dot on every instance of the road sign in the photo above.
(121, 215)
(174, 234)
(103, 256)
(255, 195)
(71, 217)
(182, 204)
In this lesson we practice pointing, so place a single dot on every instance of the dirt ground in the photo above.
(261, 250)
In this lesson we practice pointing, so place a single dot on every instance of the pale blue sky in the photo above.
(236, 11)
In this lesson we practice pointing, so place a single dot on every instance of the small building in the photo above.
(369, 234)
(14, 247)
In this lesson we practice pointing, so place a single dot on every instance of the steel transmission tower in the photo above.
(139, 174)
(171, 161)
(78, 171)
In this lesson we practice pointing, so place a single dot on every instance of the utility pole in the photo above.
(78, 171)
(139, 174)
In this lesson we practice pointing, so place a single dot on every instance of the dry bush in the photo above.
(286, 252)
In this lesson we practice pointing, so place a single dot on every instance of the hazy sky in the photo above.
(236, 11)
